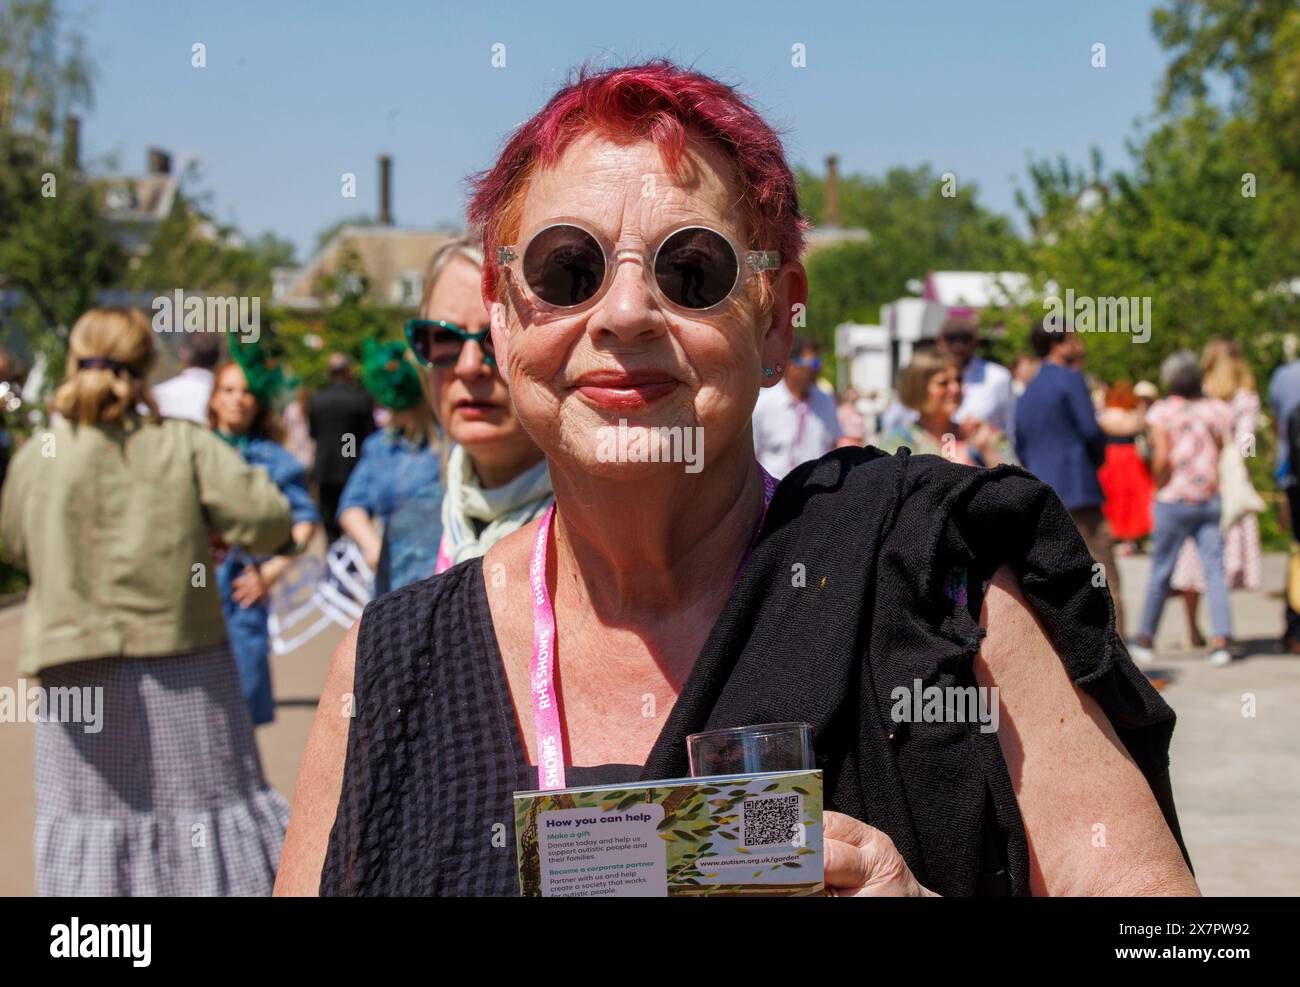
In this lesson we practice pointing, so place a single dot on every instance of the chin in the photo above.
(637, 448)
(481, 433)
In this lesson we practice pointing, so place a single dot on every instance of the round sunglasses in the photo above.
(566, 266)
(436, 343)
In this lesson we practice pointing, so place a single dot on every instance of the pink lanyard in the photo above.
(546, 711)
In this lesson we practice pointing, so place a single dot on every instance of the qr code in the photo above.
(771, 819)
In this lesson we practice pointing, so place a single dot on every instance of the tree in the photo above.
(55, 247)
(191, 251)
(44, 73)
(913, 227)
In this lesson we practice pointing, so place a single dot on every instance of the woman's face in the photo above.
(233, 404)
(470, 398)
(575, 377)
(943, 395)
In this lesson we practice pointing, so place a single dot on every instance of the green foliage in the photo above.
(308, 341)
(913, 229)
(191, 252)
(43, 71)
(54, 248)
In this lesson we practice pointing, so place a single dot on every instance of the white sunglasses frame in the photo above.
(748, 263)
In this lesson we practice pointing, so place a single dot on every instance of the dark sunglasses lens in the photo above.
(418, 336)
(696, 268)
(564, 266)
(445, 346)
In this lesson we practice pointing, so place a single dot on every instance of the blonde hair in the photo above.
(914, 381)
(98, 394)
(464, 247)
(1224, 370)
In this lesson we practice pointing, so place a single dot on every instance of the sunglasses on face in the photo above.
(960, 338)
(437, 344)
(810, 362)
(566, 266)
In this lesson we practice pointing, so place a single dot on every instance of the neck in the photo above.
(800, 392)
(494, 473)
(937, 423)
(663, 544)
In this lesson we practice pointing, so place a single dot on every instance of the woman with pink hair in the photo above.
(644, 238)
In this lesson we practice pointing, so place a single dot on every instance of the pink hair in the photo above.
(657, 100)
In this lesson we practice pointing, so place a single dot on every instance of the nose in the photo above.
(470, 362)
(628, 311)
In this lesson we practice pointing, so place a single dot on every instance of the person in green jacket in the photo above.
(148, 781)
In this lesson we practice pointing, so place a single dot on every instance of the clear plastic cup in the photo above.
(752, 749)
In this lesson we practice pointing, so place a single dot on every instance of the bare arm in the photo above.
(1093, 826)
(1159, 455)
(320, 778)
(355, 521)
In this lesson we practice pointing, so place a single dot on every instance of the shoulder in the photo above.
(824, 400)
(1159, 412)
(994, 373)
(374, 444)
(767, 398)
(288, 467)
(1221, 411)
(393, 621)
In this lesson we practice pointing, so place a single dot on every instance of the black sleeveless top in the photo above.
(434, 753)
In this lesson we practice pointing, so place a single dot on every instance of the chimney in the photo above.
(385, 190)
(71, 143)
(832, 190)
(160, 162)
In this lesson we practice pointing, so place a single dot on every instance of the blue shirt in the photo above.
(249, 637)
(1057, 435)
(392, 469)
(1284, 398)
(287, 473)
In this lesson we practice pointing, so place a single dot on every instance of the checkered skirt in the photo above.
(168, 798)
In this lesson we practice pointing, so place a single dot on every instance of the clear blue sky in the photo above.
(296, 93)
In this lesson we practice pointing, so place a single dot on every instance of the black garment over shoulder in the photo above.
(434, 751)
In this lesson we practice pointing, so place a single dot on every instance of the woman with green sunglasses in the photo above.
(495, 477)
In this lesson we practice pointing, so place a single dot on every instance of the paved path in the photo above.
(1235, 776)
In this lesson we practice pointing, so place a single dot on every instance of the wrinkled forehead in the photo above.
(627, 191)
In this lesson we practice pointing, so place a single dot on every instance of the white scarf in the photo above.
(500, 510)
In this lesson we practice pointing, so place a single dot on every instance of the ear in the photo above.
(500, 337)
(788, 312)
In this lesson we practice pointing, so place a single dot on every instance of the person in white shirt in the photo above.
(986, 393)
(187, 394)
(794, 420)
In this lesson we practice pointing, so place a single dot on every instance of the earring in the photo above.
(767, 371)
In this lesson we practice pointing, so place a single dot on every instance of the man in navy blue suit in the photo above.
(1059, 441)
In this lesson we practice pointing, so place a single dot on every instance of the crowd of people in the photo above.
(1133, 469)
(155, 521)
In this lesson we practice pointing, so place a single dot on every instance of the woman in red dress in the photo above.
(1125, 480)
